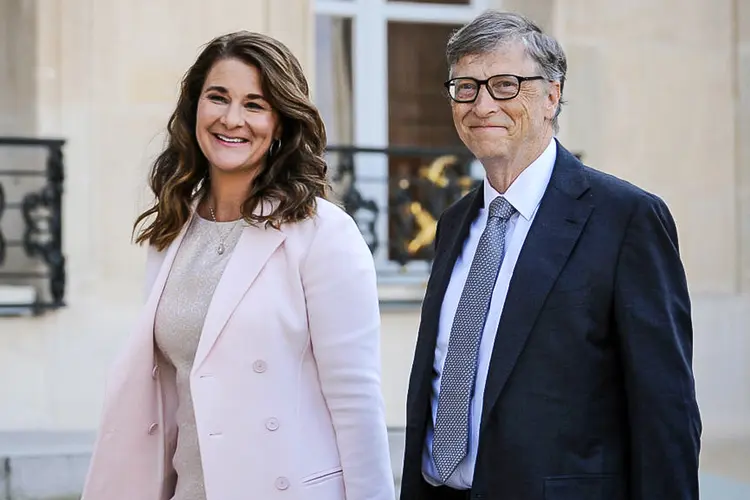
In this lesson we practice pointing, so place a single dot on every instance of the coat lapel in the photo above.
(149, 313)
(138, 355)
(562, 215)
(254, 248)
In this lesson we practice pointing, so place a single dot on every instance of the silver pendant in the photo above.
(220, 249)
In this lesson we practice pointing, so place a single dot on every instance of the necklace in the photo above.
(220, 248)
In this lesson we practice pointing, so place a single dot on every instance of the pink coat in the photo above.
(285, 383)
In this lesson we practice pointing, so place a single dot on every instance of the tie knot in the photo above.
(500, 207)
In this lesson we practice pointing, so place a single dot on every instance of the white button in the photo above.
(272, 424)
(259, 366)
(282, 483)
(152, 428)
(155, 372)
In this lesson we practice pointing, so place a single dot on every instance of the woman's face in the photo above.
(235, 124)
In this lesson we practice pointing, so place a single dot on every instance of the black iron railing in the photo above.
(31, 187)
(396, 194)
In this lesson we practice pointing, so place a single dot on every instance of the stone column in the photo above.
(17, 65)
(743, 182)
(743, 138)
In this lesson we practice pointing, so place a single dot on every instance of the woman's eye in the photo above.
(217, 98)
(253, 105)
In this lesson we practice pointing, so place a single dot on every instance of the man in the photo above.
(555, 344)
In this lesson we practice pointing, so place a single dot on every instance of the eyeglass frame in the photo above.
(479, 83)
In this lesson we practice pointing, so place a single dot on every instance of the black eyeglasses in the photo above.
(500, 87)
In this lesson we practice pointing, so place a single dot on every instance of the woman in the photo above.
(253, 372)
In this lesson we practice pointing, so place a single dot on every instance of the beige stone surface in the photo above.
(17, 42)
(651, 100)
(541, 11)
(398, 340)
(721, 360)
(697, 24)
(742, 15)
(743, 135)
(727, 458)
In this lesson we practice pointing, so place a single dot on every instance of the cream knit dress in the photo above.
(179, 320)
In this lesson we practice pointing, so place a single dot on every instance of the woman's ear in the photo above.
(278, 132)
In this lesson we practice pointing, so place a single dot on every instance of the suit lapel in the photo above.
(453, 231)
(254, 248)
(562, 215)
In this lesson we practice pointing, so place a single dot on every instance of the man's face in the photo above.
(498, 129)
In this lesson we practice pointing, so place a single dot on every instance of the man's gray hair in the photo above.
(493, 29)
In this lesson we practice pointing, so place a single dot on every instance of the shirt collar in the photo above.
(525, 193)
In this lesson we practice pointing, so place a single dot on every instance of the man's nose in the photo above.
(485, 104)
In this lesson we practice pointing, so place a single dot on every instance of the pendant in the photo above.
(220, 249)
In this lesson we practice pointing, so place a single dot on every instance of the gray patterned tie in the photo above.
(451, 438)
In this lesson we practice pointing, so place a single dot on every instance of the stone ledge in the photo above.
(53, 465)
(44, 477)
(49, 471)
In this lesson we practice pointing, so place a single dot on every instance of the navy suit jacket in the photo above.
(590, 393)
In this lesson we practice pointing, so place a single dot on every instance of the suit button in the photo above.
(272, 424)
(152, 428)
(155, 372)
(259, 366)
(282, 483)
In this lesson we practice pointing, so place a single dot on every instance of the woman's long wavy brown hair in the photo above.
(291, 178)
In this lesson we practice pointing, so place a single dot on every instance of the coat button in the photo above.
(259, 366)
(155, 372)
(282, 483)
(152, 428)
(272, 424)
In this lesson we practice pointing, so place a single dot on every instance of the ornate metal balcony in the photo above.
(396, 195)
(32, 265)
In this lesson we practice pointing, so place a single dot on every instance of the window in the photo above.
(380, 65)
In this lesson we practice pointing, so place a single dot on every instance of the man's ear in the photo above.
(553, 98)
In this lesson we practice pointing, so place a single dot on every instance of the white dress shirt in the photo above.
(525, 194)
